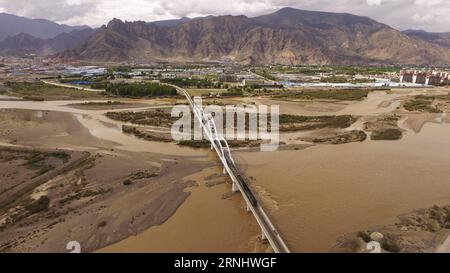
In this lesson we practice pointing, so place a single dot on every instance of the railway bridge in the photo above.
(240, 182)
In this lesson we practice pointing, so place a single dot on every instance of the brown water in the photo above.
(326, 191)
(104, 128)
(204, 223)
(317, 194)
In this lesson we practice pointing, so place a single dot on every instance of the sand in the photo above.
(89, 201)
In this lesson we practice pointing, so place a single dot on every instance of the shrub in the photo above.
(421, 104)
(389, 244)
(137, 90)
(388, 134)
(127, 182)
(39, 205)
(365, 236)
(61, 155)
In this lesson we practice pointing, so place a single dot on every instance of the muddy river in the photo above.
(314, 195)
(320, 193)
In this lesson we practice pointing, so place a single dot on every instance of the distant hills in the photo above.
(23, 44)
(288, 36)
(442, 39)
(11, 25)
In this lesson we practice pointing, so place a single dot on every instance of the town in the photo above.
(219, 79)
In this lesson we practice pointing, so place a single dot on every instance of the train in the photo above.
(247, 191)
(243, 182)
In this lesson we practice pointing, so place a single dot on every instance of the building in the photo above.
(228, 78)
(435, 78)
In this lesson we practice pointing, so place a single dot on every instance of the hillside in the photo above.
(11, 25)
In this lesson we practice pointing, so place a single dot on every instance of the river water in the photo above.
(104, 128)
(320, 193)
(314, 195)
(204, 223)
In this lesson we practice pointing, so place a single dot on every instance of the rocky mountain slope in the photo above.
(288, 36)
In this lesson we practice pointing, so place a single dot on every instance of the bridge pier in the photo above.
(225, 171)
(235, 187)
(263, 236)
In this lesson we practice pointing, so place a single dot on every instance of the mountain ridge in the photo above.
(439, 38)
(287, 36)
(25, 44)
(39, 28)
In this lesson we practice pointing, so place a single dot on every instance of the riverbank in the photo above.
(106, 197)
(421, 231)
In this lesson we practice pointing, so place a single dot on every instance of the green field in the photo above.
(41, 91)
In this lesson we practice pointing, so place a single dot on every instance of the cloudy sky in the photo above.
(431, 15)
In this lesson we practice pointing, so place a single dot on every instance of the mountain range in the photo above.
(288, 36)
(23, 44)
(11, 25)
(442, 39)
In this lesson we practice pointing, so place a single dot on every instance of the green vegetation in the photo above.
(345, 94)
(233, 93)
(342, 79)
(195, 143)
(342, 138)
(127, 182)
(39, 205)
(194, 83)
(39, 91)
(264, 73)
(69, 79)
(365, 235)
(139, 90)
(61, 155)
(3, 89)
(39, 161)
(157, 117)
(297, 123)
(207, 144)
(335, 79)
(146, 135)
(123, 69)
(390, 244)
(205, 92)
(144, 174)
(83, 194)
(108, 103)
(387, 134)
(337, 70)
(34, 159)
(422, 104)
(100, 85)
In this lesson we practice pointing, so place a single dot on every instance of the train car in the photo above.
(247, 191)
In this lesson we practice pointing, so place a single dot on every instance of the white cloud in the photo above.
(401, 14)
(56, 10)
(374, 2)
